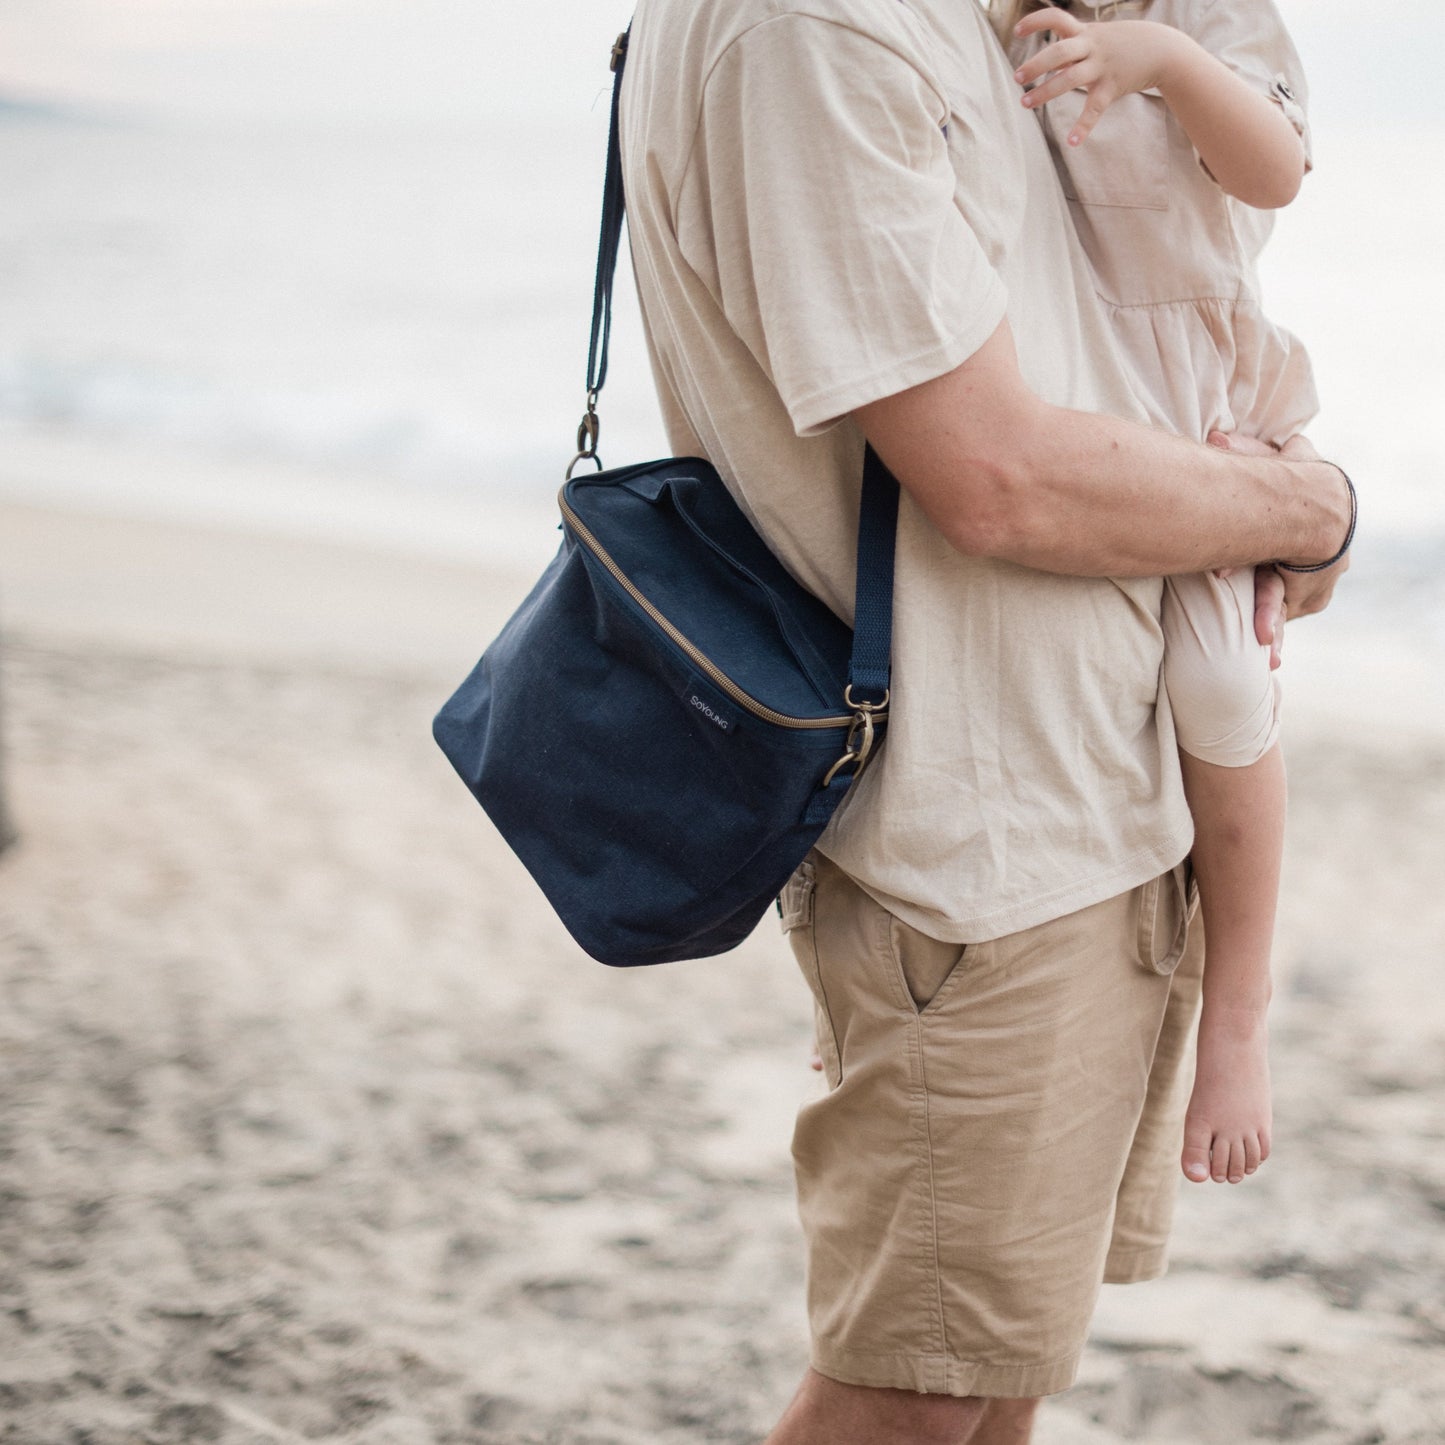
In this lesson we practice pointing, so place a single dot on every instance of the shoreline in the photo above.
(259, 583)
(79, 575)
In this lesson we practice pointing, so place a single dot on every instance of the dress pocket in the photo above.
(1124, 161)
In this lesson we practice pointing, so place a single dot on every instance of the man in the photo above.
(844, 225)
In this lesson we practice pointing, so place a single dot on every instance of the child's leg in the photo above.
(1226, 712)
(1238, 840)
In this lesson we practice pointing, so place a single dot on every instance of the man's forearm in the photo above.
(1095, 496)
(1004, 474)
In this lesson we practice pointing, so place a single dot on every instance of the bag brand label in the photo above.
(722, 722)
(699, 696)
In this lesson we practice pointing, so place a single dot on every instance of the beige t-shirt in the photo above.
(831, 201)
(1174, 257)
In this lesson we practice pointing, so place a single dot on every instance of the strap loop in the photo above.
(870, 665)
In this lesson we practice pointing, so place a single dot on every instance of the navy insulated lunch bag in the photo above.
(668, 721)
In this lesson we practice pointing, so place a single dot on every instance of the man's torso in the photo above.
(784, 164)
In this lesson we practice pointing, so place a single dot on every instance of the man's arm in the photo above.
(1002, 473)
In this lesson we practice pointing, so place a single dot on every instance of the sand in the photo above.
(314, 1126)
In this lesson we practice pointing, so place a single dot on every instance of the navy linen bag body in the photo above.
(667, 723)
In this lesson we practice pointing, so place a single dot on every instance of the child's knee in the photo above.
(1223, 694)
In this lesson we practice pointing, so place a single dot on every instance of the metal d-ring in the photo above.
(864, 707)
(581, 457)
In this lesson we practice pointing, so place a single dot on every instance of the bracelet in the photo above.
(1349, 535)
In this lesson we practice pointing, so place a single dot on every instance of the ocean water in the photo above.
(353, 239)
(359, 236)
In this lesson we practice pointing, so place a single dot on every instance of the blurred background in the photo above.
(355, 237)
(323, 267)
(313, 1124)
(350, 237)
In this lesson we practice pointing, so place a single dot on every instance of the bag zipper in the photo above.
(710, 668)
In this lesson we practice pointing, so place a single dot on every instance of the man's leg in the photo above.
(826, 1412)
(1006, 1422)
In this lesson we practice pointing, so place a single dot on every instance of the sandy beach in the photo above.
(315, 1126)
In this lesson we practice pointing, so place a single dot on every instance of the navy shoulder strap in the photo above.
(868, 669)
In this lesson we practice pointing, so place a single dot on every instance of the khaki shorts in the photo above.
(1000, 1133)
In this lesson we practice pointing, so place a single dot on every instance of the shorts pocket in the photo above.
(795, 902)
(1165, 907)
(926, 966)
(1125, 160)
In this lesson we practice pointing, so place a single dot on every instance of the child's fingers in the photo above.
(1073, 77)
(1051, 57)
(1100, 99)
(1051, 18)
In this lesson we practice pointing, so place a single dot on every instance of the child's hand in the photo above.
(1108, 59)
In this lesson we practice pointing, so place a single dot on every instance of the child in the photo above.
(1176, 126)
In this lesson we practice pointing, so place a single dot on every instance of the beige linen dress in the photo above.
(1174, 262)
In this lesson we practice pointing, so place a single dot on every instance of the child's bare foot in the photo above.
(1227, 1127)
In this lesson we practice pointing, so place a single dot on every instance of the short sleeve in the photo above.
(819, 207)
(1250, 37)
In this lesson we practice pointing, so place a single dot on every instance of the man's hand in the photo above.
(1107, 61)
(1308, 592)
(1278, 595)
(1270, 611)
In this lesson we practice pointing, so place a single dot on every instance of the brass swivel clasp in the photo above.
(588, 430)
(858, 746)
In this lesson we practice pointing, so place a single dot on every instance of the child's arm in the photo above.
(1245, 139)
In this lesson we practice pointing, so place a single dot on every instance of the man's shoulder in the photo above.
(705, 30)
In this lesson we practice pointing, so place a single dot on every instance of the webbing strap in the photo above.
(611, 234)
(868, 668)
